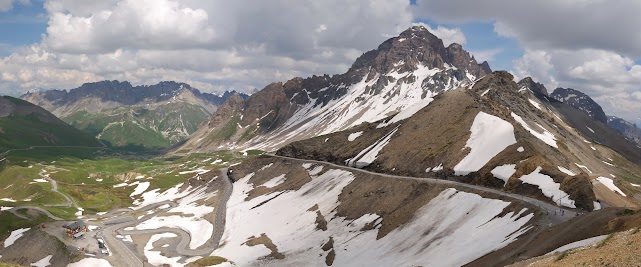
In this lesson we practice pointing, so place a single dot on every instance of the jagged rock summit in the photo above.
(403, 73)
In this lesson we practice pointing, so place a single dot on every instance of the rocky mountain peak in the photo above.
(233, 105)
(413, 48)
(537, 89)
(580, 101)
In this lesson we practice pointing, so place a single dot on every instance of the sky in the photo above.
(216, 45)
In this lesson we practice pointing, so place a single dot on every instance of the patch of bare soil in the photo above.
(621, 249)
(35, 245)
(602, 222)
(267, 242)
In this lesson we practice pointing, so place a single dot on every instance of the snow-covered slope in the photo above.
(303, 223)
(401, 76)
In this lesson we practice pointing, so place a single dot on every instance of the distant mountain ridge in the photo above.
(628, 129)
(124, 93)
(403, 72)
(146, 116)
(580, 101)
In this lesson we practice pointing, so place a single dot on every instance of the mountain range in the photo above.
(122, 115)
(417, 155)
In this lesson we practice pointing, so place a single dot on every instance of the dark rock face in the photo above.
(125, 93)
(580, 101)
(629, 130)
(537, 89)
(234, 104)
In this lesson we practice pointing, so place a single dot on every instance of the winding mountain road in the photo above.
(183, 247)
(54, 188)
(555, 214)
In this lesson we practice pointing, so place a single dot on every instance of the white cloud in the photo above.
(448, 35)
(213, 44)
(571, 24)
(486, 55)
(536, 64)
(6, 5)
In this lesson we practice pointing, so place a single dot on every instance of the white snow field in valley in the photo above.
(466, 225)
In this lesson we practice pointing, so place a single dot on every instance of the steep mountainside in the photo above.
(23, 124)
(580, 101)
(403, 73)
(629, 130)
(154, 116)
(494, 134)
(586, 116)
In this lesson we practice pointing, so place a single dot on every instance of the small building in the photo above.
(76, 227)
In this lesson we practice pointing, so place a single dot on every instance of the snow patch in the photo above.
(546, 136)
(140, 188)
(609, 183)
(15, 234)
(535, 104)
(369, 154)
(155, 257)
(583, 167)
(580, 243)
(520, 149)
(490, 135)
(275, 181)
(353, 136)
(548, 187)
(90, 262)
(46, 261)
(504, 172)
(566, 171)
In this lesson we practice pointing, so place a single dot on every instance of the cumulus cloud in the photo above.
(572, 24)
(212, 44)
(589, 45)
(448, 35)
(6, 5)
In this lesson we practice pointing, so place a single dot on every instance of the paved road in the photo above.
(33, 147)
(183, 247)
(46, 212)
(54, 188)
(555, 214)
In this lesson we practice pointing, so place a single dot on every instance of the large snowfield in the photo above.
(463, 226)
(490, 135)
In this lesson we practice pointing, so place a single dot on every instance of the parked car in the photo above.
(102, 246)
